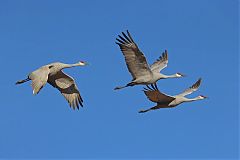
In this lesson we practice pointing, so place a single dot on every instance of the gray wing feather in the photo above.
(135, 59)
(160, 63)
(39, 78)
(66, 85)
(191, 89)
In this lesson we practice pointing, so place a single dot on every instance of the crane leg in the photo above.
(143, 111)
(121, 87)
(22, 81)
(153, 108)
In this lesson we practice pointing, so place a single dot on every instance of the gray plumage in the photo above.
(137, 64)
(53, 74)
(166, 101)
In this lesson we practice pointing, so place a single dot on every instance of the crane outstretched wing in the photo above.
(191, 89)
(135, 59)
(39, 78)
(66, 85)
(160, 63)
(154, 95)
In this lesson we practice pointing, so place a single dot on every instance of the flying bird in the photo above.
(53, 74)
(166, 101)
(137, 64)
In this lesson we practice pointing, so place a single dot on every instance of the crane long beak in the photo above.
(183, 75)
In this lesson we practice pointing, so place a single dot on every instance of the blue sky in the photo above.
(201, 37)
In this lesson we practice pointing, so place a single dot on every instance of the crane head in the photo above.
(82, 63)
(202, 97)
(180, 75)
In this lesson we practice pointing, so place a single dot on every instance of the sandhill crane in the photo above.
(137, 64)
(53, 74)
(166, 101)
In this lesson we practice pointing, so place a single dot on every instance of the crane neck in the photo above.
(170, 76)
(192, 99)
(71, 65)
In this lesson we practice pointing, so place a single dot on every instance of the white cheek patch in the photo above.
(82, 63)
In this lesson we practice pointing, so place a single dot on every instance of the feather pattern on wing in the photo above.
(154, 95)
(67, 86)
(135, 59)
(160, 63)
(39, 78)
(191, 89)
